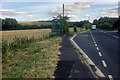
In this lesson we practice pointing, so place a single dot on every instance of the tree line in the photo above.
(102, 23)
(12, 24)
(105, 23)
(79, 24)
(9, 23)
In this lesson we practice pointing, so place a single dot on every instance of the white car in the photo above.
(93, 27)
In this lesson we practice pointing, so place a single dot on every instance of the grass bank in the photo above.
(37, 60)
(79, 30)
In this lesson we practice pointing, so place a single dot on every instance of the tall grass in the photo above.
(38, 60)
(21, 43)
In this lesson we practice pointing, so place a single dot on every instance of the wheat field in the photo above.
(8, 35)
(34, 23)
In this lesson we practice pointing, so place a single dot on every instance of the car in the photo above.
(93, 27)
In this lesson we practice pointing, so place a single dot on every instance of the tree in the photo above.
(9, 23)
(117, 23)
(95, 22)
(106, 26)
(106, 23)
(75, 28)
(65, 24)
(86, 26)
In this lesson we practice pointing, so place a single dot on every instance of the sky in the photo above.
(77, 10)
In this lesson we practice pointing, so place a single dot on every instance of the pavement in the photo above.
(102, 47)
(69, 65)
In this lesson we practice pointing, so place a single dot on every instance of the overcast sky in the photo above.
(77, 10)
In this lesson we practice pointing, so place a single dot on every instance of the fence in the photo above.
(22, 41)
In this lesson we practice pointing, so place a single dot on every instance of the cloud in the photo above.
(74, 17)
(106, 12)
(11, 12)
(59, 0)
(74, 8)
(110, 12)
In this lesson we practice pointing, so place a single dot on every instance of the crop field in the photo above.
(9, 35)
(34, 23)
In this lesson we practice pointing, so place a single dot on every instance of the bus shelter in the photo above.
(57, 29)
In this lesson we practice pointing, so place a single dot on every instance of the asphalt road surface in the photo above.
(102, 48)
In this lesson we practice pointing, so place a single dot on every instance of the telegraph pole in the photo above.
(63, 10)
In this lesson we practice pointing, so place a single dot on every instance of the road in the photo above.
(102, 48)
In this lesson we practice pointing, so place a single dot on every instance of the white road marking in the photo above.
(104, 64)
(100, 54)
(92, 37)
(110, 77)
(117, 37)
(97, 48)
(98, 71)
(111, 34)
(95, 44)
(114, 36)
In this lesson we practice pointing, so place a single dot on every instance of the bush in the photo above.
(86, 26)
(75, 28)
(106, 26)
(65, 25)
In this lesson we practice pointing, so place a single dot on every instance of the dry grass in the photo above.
(36, 61)
(18, 33)
(34, 23)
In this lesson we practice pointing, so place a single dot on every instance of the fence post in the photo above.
(8, 43)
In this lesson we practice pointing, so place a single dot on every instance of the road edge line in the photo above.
(87, 60)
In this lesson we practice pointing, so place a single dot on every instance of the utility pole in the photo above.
(63, 10)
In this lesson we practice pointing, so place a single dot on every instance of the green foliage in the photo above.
(86, 26)
(79, 24)
(75, 28)
(13, 24)
(9, 23)
(106, 26)
(65, 24)
(106, 23)
(117, 23)
(95, 22)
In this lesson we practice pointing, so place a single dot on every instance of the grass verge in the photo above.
(79, 30)
(38, 60)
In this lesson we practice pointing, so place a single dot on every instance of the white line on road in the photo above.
(104, 64)
(110, 77)
(92, 37)
(110, 34)
(114, 36)
(95, 44)
(98, 71)
(97, 48)
(117, 37)
(100, 54)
